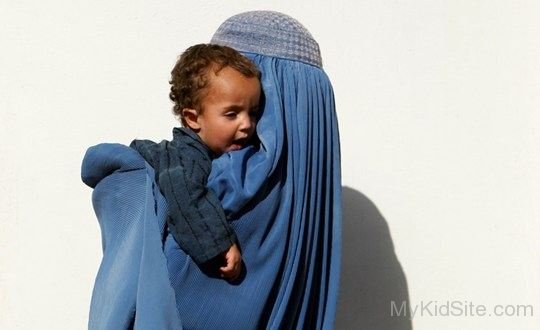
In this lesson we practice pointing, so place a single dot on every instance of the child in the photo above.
(216, 94)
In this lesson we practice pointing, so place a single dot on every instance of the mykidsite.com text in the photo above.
(457, 308)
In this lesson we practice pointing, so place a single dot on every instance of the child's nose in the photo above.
(247, 123)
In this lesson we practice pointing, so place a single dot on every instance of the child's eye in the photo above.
(230, 114)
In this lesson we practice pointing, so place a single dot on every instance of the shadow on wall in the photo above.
(371, 275)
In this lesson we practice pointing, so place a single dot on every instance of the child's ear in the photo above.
(191, 116)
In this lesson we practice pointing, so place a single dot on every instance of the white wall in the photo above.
(438, 104)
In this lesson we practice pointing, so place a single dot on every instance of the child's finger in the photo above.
(230, 271)
(227, 269)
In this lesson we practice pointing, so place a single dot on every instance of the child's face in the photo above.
(227, 118)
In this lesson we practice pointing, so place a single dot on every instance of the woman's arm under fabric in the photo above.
(132, 285)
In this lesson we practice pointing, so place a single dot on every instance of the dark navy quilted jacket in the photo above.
(196, 219)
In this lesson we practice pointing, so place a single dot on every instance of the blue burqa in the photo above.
(284, 197)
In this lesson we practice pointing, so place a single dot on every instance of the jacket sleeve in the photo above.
(196, 218)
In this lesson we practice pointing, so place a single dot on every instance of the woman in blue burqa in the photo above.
(283, 196)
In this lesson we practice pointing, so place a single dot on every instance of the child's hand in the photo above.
(233, 263)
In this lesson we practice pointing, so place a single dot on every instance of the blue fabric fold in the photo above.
(285, 202)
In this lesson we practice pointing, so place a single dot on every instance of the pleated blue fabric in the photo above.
(284, 197)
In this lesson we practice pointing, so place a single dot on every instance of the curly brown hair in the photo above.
(189, 77)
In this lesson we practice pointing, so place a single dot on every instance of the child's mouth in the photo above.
(237, 144)
(235, 147)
